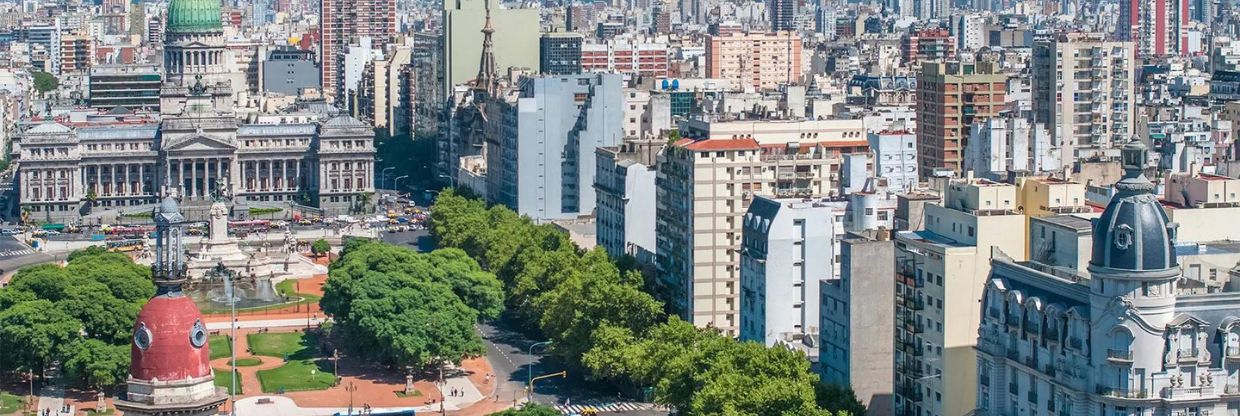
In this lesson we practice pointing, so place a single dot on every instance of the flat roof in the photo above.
(1068, 221)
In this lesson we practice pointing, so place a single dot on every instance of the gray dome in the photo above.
(1134, 232)
(168, 212)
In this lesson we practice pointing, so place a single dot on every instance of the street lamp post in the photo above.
(350, 388)
(383, 175)
(396, 183)
(529, 394)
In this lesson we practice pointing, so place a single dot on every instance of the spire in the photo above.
(485, 82)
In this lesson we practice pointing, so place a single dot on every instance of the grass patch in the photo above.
(298, 375)
(220, 346)
(249, 361)
(143, 214)
(9, 403)
(222, 380)
(284, 345)
(288, 287)
(402, 394)
(264, 211)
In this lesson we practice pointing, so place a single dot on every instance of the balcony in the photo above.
(1013, 353)
(1123, 393)
(1121, 356)
(915, 304)
(1231, 389)
(1172, 393)
(1189, 354)
(914, 327)
(1233, 354)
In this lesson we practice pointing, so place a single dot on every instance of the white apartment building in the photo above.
(1083, 84)
(1001, 145)
(895, 156)
(625, 205)
(785, 253)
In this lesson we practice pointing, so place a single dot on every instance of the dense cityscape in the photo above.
(629, 207)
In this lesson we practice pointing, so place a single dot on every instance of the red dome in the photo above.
(166, 328)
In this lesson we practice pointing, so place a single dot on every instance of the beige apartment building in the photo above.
(1083, 89)
(704, 185)
(941, 274)
(762, 60)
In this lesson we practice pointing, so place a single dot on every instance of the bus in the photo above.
(249, 226)
(125, 245)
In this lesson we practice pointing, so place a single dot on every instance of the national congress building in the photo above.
(196, 142)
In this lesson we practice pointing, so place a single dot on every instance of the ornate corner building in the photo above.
(1129, 337)
(124, 159)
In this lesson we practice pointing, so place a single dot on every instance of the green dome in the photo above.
(192, 16)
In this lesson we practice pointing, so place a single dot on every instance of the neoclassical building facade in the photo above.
(1120, 338)
(193, 146)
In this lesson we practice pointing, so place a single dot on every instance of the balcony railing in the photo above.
(1119, 355)
(1233, 353)
(1123, 393)
(915, 304)
(914, 327)
(1189, 354)
(1186, 392)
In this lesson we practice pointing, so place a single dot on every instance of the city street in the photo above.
(509, 354)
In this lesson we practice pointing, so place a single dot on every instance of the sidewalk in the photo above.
(52, 400)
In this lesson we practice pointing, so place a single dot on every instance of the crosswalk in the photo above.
(613, 407)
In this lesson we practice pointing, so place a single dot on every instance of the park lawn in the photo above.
(297, 375)
(288, 287)
(220, 346)
(9, 403)
(249, 361)
(222, 380)
(283, 345)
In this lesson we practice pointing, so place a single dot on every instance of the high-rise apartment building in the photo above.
(559, 53)
(625, 215)
(950, 95)
(76, 53)
(927, 45)
(626, 55)
(1083, 90)
(782, 14)
(541, 159)
(784, 256)
(345, 22)
(1159, 27)
(705, 184)
(855, 346)
(761, 60)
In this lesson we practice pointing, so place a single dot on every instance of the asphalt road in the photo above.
(509, 354)
(406, 239)
(15, 255)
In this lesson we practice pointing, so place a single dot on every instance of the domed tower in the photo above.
(170, 368)
(195, 57)
(1133, 273)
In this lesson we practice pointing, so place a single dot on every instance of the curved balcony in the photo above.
(1119, 356)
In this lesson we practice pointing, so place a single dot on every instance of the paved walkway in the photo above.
(52, 400)
(266, 323)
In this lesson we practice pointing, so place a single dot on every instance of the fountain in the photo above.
(221, 265)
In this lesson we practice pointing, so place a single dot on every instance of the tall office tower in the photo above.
(782, 12)
(704, 186)
(761, 60)
(950, 95)
(345, 22)
(1083, 91)
(559, 53)
(1159, 27)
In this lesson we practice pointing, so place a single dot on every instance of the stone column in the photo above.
(167, 173)
(181, 178)
(297, 173)
(98, 180)
(142, 179)
(193, 178)
(284, 174)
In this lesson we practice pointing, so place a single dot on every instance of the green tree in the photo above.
(320, 247)
(97, 364)
(839, 399)
(44, 82)
(401, 307)
(33, 333)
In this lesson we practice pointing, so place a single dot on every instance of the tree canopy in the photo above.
(602, 323)
(406, 308)
(320, 247)
(44, 82)
(46, 310)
